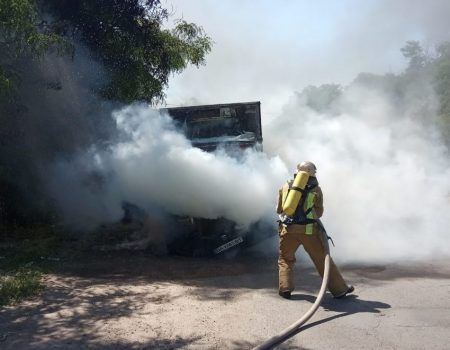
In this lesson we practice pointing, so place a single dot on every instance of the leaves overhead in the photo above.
(127, 37)
(21, 33)
(49, 105)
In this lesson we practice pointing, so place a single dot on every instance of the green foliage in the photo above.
(49, 106)
(20, 273)
(415, 91)
(321, 98)
(442, 76)
(390, 83)
(126, 36)
(413, 51)
(25, 255)
(22, 34)
(441, 72)
(20, 30)
(5, 82)
(18, 26)
(18, 285)
(190, 44)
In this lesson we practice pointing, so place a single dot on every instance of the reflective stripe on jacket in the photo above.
(313, 200)
(308, 207)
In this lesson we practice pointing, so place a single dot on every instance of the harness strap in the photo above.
(298, 189)
(309, 210)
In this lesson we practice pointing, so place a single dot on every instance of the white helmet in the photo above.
(307, 166)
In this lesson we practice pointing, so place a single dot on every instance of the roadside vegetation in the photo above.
(19, 283)
(422, 89)
(25, 255)
(61, 63)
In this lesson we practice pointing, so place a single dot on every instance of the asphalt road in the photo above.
(133, 301)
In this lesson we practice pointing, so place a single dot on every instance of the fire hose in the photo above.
(295, 327)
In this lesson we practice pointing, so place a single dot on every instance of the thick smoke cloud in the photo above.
(385, 176)
(383, 173)
(383, 169)
(155, 166)
(54, 114)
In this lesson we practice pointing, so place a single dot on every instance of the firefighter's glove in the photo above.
(285, 220)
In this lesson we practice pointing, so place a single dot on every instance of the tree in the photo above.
(127, 37)
(441, 74)
(52, 107)
(321, 98)
(413, 51)
(21, 34)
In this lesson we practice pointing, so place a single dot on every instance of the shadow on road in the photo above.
(350, 304)
(347, 306)
(76, 343)
(206, 275)
(139, 264)
(407, 269)
(89, 293)
(73, 314)
(239, 345)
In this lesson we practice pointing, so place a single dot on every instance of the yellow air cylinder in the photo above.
(295, 194)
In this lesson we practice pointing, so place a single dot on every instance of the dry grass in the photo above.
(23, 261)
(20, 284)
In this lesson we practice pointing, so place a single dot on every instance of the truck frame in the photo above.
(232, 127)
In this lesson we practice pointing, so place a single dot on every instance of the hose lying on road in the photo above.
(288, 332)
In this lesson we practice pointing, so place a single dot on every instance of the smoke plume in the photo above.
(381, 163)
(155, 166)
(385, 174)
(382, 166)
(54, 114)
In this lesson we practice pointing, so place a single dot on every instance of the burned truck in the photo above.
(231, 127)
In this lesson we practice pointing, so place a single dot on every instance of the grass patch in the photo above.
(18, 285)
(24, 260)
(27, 254)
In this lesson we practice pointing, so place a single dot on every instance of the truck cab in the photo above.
(232, 127)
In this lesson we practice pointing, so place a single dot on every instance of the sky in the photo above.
(265, 50)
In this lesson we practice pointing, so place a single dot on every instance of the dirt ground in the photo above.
(133, 301)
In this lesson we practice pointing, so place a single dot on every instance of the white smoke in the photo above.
(385, 176)
(156, 166)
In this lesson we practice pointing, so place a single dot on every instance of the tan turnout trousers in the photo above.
(292, 236)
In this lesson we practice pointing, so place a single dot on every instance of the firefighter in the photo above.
(301, 229)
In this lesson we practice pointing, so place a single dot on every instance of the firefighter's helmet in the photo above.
(307, 166)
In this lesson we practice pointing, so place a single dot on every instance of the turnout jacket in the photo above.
(318, 199)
